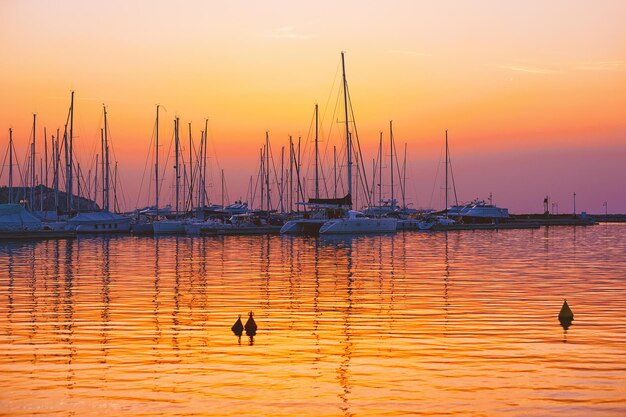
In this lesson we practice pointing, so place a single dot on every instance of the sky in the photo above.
(532, 93)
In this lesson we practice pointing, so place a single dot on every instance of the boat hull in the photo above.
(359, 226)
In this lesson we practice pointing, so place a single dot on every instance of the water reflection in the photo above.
(449, 321)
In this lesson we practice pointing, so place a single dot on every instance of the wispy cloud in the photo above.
(406, 53)
(602, 66)
(287, 32)
(529, 70)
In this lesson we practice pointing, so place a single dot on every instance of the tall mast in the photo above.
(404, 179)
(103, 165)
(190, 170)
(57, 160)
(156, 164)
(32, 165)
(45, 148)
(348, 141)
(71, 158)
(334, 171)
(105, 178)
(95, 184)
(10, 166)
(176, 167)
(262, 179)
(223, 204)
(204, 162)
(393, 203)
(317, 183)
(380, 170)
(267, 171)
(291, 158)
(446, 209)
(282, 179)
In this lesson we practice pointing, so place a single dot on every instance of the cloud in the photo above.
(287, 32)
(529, 70)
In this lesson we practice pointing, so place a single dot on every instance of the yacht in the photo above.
(356, 223)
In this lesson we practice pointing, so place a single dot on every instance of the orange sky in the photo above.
(533, 93)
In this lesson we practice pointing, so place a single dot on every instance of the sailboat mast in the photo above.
(317, 182)
(156, 165)
(204, 160)
(190, 170)
(393, 202)
(106, 163)
(290, 173)
(380, 170)
(267, 171)
(262, 179)
(70, 185)
(32, 165)
(10, 166)
(348, 141)
(446, 191)
(103, 175)
(176, 167)
(404, 179)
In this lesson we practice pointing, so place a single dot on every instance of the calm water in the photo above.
(416, 323)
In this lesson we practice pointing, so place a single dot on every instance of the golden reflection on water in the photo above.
(416, 323)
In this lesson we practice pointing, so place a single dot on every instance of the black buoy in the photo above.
(250, 325)
(566, 317)
(237, 327)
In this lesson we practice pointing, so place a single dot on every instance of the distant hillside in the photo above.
(47, 194)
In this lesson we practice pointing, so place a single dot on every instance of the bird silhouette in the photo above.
(238, 327)
(566, 316)
(250, 325)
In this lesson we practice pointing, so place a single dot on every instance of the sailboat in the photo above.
(103, 221)
(172, 226)
(354, 222)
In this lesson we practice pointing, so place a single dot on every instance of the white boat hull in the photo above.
(302, 226)
(359, 226)
(168, 227)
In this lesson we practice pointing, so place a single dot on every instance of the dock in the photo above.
(37, 235)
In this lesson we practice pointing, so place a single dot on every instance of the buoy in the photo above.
(565, 315)
(237, 327)
(250, 325)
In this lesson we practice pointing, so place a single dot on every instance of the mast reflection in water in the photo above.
(435, 323)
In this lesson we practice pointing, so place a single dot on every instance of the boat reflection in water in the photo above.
(447, 322)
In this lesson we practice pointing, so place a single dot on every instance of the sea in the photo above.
(415, 323)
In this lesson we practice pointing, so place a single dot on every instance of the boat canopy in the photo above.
(344, 201)
(13, 217)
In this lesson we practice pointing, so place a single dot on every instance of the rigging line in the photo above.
(430, 203)
(360, 155)
(398, 170)
(115, 187)
(149, 157)
(456, 200)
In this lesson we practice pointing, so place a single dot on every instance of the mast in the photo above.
(317, 183)
(10, 166)
(380, 170)
(282, 179)
(156, 165)
(204, 162)
(267, 171)
(290, 173)
(190, 170)
(348, 140)
(107, 183)
(31, 203)
(57, 160)
(223, 205)
(335, 171)
(262, 177)
(393, 202)
(404, 179)
(71, 158)
(95, 184)
(176, 167)
(103, 176)
(45, 148)
(446, 209)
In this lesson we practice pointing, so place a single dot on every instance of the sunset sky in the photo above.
(533, 93)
